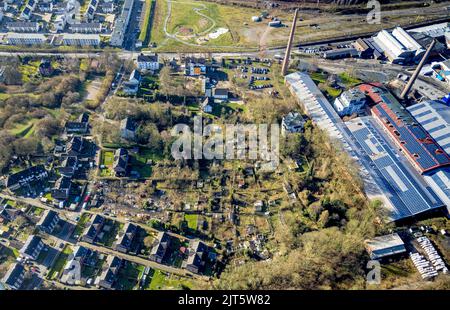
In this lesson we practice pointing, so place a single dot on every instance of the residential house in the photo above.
(8, 213)
(195, 67)
(79, 39)
(13, 38)
(14, 277)
(32, 247)
(197, 256)
(207, 87)
(69, 166)
(148, 62)
(61, 191)
(220, 93)
(161, 247)
(76, 128)
(131, 86)
(76, 146)
(135, 77)
(80, 126)
(48, 221)
(293, 122)
(206, 105)
(93, 230)
(120, 162)
(25, 177)
(108, 276)
(125, 239)
(86, 28)
(128, 129)
(107, 7)
(72, 270)
(45, 67)
(22, 26)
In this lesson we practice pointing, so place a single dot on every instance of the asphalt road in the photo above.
(142, 261)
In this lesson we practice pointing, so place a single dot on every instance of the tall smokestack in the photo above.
(285, 66)
(418, 69)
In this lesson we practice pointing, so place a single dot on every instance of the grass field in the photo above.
(81, 224)
(191, 22)
(192, 220)
(161, 280)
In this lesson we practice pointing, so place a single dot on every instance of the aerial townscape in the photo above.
(92, 196)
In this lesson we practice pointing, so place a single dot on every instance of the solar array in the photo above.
(407, 196)
(434, 117)
(316, 105)
(415, 141)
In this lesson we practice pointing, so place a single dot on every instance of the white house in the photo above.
(148, 62)
(350, 102)
(220, 93)
(293, 122)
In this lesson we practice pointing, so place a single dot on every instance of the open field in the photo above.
(188, 25)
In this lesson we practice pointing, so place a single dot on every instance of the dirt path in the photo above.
(263, 41)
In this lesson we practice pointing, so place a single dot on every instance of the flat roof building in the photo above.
(434, 116)
(397, 183)
(384, 246)
(423, 151)
(77, 39)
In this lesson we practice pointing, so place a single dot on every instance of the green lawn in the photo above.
(128, 276)
(110, 236)
(192, 220)
(38, 211)
(106, 159)
(318, 77)
(162, 281)
(193, 21)
(58, 266)
(348, 80)
(81, 224)
(333, 92)
(24, 130)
